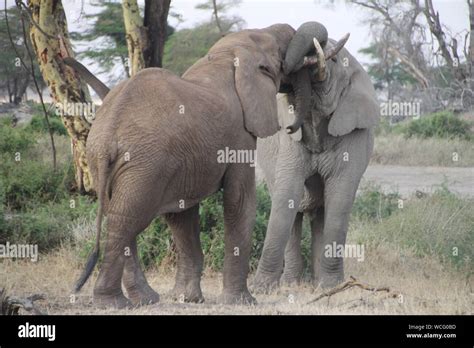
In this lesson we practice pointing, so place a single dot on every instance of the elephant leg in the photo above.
(317, 225)
(138, 289)
(121, 231)
(339, 197)
(286, 199)
(185, 229)
(293, 270)
(239, 220)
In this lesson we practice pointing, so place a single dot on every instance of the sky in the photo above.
(339, 18)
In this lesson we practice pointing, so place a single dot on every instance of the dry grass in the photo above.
(394, 149)
(425, 286)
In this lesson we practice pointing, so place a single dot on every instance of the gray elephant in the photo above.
(153, 150)
(317, 170)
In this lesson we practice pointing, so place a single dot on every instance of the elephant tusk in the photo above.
(330, 53)
(321, 61)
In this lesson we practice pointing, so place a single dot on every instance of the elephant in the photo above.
(317, 170)
(152, 151)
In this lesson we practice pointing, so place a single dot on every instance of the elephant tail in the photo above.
(98, 86)
(102, 167)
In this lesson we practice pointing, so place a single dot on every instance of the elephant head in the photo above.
(306, 49)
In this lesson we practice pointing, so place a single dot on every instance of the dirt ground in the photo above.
(418, 286)
(406, 180)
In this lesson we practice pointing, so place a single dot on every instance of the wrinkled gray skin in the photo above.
(299, 78)
(318, 171)
(171, 129)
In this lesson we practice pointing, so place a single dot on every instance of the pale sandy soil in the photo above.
(425, 288)
(406, 180)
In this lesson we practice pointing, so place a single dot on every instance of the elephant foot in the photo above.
(265, 284)
(141, 296)
(239, 298)
(330, 281)
(117, 301)
(291, 279)
(187, 294)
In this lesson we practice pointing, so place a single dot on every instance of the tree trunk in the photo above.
(135, 35)
(432, 17)
(410, 68)
(470, 4)
(24, 81)
(156, 14)
(9, 90)
(64, 85)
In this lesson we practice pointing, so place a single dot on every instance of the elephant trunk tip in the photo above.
(293, 128)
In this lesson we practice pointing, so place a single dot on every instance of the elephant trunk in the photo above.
(310, 36)
(302, 91)
(302, 43)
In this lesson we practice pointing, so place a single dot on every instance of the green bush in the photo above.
(14, 139)
(29, 182)
(34, 199)
(442, 124)
(26, 179)
(38, 124)
(46, 224)
(439, 225)
(373, 204)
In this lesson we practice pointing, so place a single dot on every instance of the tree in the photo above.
(403, 30)
(135, 35)
(158, 30)
(386, 72)
(219, 18)
(186, 46)
(50, 40)
(14, 78)
(451, 58)
(470, 51)
(109, 25)
(145, 38)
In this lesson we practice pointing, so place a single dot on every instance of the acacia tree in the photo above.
(108, 26)
(14, 77)
(50, 40)
(402, 30)
(145, 37)
(223, 22)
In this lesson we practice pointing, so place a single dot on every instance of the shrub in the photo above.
(439, 225)
(38, 124)
(442, 124)
(46, 224)
(29, 182)
(26, 179)
(373, 204)
(14, 140)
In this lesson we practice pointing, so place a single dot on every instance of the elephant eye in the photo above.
(264, 69)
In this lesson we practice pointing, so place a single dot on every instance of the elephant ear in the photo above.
(256, 82)
(357, 108)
